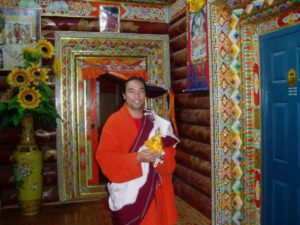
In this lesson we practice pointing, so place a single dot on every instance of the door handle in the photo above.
(292, 78)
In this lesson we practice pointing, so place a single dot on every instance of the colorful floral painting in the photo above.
(21, 172)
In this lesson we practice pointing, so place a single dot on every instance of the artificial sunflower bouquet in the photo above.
(29, 92)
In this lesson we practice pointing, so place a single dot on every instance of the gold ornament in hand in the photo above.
(155, 143)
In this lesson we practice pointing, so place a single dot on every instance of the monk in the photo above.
(140, 188)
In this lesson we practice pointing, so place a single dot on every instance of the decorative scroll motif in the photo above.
(289, 19)
(86, 8)
(282, 21)
(145, 13)
(260, 11)
(254, 19)
(69, 8)
(72, 95)
(11, 3)
(176, 8)
(129, 11)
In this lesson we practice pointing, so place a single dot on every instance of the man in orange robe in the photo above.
(139, 192)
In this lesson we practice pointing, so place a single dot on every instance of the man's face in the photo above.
(135, 95)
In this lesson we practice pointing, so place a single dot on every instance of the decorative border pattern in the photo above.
(249, 151)
(236, 115)
(12, 3)
(145, 13)
(243, 204)
(71, 97)
(129, 11)
(176, 8)
(220, 102)
(86, 8)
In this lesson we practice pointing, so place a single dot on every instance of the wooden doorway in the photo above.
(75, 99)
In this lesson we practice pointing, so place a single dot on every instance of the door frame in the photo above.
(74, 153)
(235, 122)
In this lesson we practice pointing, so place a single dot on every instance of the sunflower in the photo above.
(29, 50)
(37, 74)
(45, 48)
(29, 98)
(18, 77)
(28, 91)
(31, 54)
(56, 67)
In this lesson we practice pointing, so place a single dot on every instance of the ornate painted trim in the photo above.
(243, 204)
(12, 3)
(145, 13)
(220, 102)
(86, 8)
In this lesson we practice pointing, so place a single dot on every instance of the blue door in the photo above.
(280, 63)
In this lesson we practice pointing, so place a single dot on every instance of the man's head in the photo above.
(134, 94)
(137, 78)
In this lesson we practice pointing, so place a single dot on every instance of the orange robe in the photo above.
(118, 165)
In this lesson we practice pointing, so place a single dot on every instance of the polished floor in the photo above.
(88, 213)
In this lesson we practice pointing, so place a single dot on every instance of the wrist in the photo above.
(138, 158)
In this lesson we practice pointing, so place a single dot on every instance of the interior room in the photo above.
(223, 73)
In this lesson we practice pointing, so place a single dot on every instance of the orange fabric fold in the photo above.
(119, 165)
(94, 72)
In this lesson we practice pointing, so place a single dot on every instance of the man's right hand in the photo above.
(147, 156)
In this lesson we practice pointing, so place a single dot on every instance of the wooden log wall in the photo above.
(45, 137)
(192, 180)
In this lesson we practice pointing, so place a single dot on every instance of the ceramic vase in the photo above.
(28, 170)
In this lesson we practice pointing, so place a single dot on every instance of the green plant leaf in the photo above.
(16, 119)
(3, 107)
(14, 104)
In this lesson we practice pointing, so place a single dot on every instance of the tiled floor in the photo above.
(88, 213)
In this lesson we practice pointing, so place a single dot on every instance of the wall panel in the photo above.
(192, 177)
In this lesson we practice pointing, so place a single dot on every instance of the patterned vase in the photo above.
(28, 170)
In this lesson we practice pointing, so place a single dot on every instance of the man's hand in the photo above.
(147, 156)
